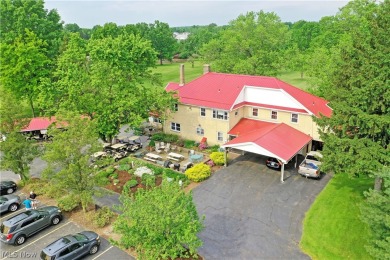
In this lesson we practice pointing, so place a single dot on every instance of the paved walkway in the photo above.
(249, 214)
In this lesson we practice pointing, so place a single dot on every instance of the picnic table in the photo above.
(196, 157)
(153, 156)
(175, 156)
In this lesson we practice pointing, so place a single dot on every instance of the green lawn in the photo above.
(170, 73)
(332, 228)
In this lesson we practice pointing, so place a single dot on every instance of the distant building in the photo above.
(181, 36)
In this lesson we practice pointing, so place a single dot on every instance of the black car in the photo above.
(72, 246)
(7, 187)
(273, 163)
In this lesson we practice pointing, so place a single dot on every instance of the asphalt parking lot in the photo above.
(249, 214)
(31, 249)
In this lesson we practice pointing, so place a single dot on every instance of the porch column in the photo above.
(225, 156)
(296, 161)
(282, 174)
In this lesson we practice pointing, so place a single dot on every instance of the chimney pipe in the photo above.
(182, 81)
(206, 69)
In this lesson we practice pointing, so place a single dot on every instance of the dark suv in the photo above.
(72, 246)
(16, 229)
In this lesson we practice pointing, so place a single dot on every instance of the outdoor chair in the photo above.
(162, 145)
(167, 147)
(157, 148)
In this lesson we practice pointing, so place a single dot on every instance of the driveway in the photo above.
(249, 214)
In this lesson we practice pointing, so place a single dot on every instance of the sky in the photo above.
(88, 13)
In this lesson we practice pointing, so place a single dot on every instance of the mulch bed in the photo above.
(123, 177)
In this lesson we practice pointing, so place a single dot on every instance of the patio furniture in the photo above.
(167, 147)
(195, 158)
(176, 156)
(162, 145)
(153, 156)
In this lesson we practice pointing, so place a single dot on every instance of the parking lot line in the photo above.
(102, 252)
(39, 238)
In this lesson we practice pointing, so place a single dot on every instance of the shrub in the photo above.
(128, 185)
(103, 217)
(124, 167)
(156, 169)
(210, 163)
(110, 170)
(189, 144)
(162, 137)
(180, 142)
(148, 180)
(218, 158)
(199, 172)
(52, 191)
(114, 175)
(168, 173)
(102, 178)
(152, 143)
(214, 148)
(68, 203)
(202, 146)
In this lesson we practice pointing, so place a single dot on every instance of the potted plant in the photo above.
(151, 145)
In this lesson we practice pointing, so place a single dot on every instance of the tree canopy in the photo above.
(159, 223)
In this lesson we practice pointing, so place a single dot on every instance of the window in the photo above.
(200, 131)
(202, 111)
(274, 115)
(175, 127)
(219, 114)
(27, 222)
(74, 247)
(294, 118)
(255, 111)
(176, 107)
(220, 136)
(64, 252)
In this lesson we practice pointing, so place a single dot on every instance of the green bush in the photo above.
(114, 175)
(148, 180)
(168, 173)
(218, 158)
(156, 169)
(189, 144)
(52, 191)
(162, 137)
(214, 148)
(199, 172)
(124, 167)
(68, 203)
(128, 185)
(110, 170)
(103, 217)
(102, 178)
(152, 143)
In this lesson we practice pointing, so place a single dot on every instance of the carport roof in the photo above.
(270, 139)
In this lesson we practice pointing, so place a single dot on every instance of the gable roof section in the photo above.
(220, 90)
(277, 140)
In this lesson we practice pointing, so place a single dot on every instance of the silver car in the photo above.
(9, 203)
(16, 229)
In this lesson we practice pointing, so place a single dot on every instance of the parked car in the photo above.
(72, 246)
(273, 163)
(310, 166)
(16, 229)
(9, 203)
(7, 187)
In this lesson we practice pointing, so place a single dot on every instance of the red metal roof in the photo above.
(39, 123)
(220, 90)
(279, 139)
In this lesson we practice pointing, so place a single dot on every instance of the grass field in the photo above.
(170, 73)
(332, 228)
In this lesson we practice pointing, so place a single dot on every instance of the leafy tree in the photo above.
(159, 223)
(375, 212)
(357, 135)
(252, 44)
(68, 156)
(25, 67)
(20, 17)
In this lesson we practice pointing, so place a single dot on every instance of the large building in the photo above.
(251, 113)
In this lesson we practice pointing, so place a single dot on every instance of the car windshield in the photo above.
(3, 199)
(80, 237)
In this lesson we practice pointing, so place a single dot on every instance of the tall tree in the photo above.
(252, 44)
(357, 135)
(160, 223)
(25, 67)
(68, 156)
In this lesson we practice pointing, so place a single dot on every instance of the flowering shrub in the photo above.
(218, 158)
(199, 172)
(202, 146)
(210, 163)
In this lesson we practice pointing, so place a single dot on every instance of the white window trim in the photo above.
(200, 112)
(296, 118)
(257, 112)
(221, 136)
(225, 113)
(199, 130)
(276, 115)
(175, 130)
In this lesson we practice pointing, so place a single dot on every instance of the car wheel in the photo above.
(10, 190)
(13, 207)
(93, 249)
(20, 240)
(55, 220)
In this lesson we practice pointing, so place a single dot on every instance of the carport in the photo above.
(276, 140)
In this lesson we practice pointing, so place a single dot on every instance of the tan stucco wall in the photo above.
(305, 122)
(189, 119)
